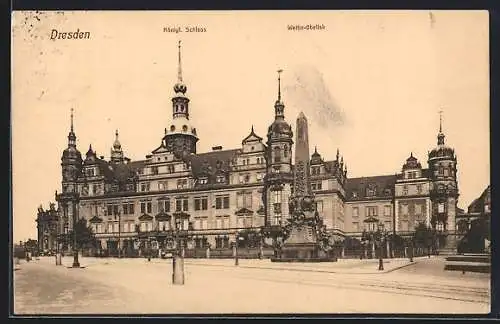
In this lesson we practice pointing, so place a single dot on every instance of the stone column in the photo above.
(208, 253)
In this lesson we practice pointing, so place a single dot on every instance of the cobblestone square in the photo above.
(136, 286)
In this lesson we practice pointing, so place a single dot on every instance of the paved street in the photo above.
(136, 286)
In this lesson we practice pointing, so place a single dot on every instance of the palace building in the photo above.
(214, 194)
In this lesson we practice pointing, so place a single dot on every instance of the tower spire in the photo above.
(279, 107)
(72, 120)
(441, 134)
(179, 68)
(440, 121)
(71, 135)
(279, 84)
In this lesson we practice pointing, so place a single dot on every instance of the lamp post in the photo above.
(372, 228)
(119, 215)
(236, 261)
(177, 258)
(381, 236)
(76, 263)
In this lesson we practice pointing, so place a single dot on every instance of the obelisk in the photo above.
(302, 244)
(301, 179)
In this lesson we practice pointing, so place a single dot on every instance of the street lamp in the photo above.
(381, 235)
(76, 263)
(177, 258)
(119, 215)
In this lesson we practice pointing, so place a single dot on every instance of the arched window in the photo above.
(277, 154)
(285, 150)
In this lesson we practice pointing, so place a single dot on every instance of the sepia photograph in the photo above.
(250, 162)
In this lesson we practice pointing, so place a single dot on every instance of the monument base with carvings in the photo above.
(303, 246)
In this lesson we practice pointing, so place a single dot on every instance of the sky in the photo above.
(371, 84)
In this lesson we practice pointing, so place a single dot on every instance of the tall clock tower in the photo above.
(71, 163)
(180, 137)
(279, 174)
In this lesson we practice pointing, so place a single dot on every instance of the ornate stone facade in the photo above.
(221, 191)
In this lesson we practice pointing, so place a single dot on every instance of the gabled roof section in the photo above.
(252, 137)
(378, 184)
(160, 149)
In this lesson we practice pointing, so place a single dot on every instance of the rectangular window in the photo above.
(404, 209)
(161, 206)
(131, 227)
(196, 224)
(170, 168)
(418, 209)
(185, 205)
(109, 210)
(355, 226)
(181, 183)
(110, 227)
(372, 211)
(162, 185)
(388, 225)
(319, 206)
(154, 170)
(240, 222)
(405, 190)
(125, 227)
(355, 211)
(143, 227)
(218, 223)
(200, 203)
(178, 204)
(387, 210)
(99, 228)
(441, 208)
(125, 209)
(222, 202)
(419, 189)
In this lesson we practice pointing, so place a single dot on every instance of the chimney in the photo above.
(216, 148)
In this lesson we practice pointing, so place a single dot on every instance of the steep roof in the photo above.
(211, 163)
(378, 183)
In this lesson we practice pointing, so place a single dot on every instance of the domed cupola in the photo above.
(279, 128)
(116, 151)
(71, 160)
(441, 150)
(180, 137)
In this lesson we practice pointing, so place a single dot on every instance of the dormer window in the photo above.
(221, 179)
(371, 191)
(315, 170)
(203, 180)
(354, 194)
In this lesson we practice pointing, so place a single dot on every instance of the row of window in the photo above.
(356, 227)
(372, 211)
(180, 204)
(260, 160)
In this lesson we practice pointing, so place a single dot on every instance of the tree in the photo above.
(85, 237)
(422, 236)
